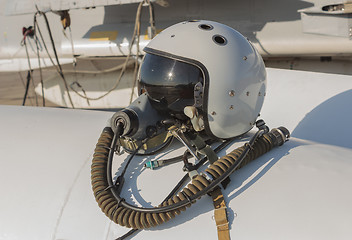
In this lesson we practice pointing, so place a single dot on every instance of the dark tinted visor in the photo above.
(169, 82)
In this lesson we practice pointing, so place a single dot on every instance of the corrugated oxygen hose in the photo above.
(132, 218)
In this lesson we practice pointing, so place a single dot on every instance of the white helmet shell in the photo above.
(234, 72)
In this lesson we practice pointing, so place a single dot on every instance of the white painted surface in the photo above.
(46, 154)
(298, 191)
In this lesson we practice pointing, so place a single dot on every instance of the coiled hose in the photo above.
(140, 218)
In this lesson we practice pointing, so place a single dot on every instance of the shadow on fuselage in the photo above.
(329, 122)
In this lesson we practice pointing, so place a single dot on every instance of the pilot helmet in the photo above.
(208, 72)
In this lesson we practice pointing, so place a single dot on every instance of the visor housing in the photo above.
(169, 83)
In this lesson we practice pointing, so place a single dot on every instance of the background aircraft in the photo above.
(290, 34)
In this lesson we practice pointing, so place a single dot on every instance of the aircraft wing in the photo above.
(16, 7)
(301, 190)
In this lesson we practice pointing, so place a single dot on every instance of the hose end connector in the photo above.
(279, 135)
(151, 164)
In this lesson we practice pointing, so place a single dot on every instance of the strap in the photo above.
(205, 149)
(220, 214)
(202, 147)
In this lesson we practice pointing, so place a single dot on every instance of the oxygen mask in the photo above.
(144, 129)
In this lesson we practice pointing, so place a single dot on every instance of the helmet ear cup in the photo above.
(234, 73)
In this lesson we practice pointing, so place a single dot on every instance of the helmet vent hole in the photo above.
(221, 40)
(206, 27)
